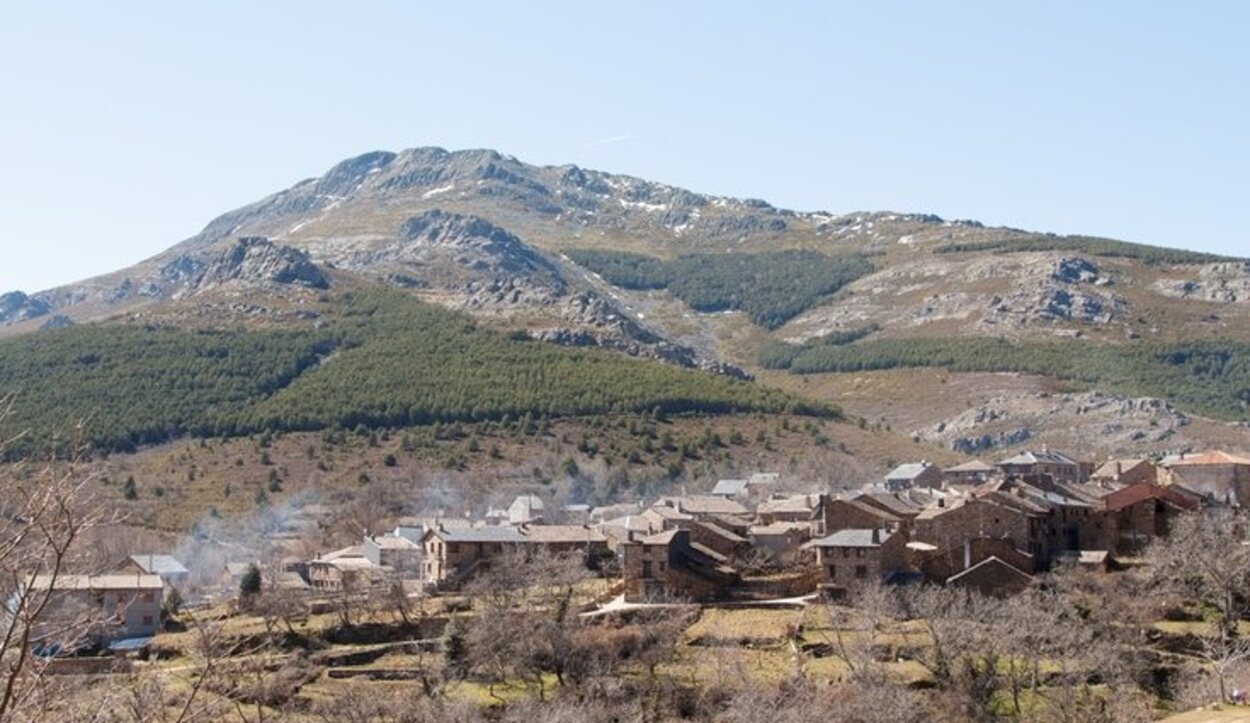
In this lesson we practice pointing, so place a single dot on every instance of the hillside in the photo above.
(371, 359)
(806, 301)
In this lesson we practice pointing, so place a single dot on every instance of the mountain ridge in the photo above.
(518, 247)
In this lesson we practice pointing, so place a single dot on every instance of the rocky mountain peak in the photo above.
(253, 259)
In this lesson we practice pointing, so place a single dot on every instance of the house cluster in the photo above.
(989, 527)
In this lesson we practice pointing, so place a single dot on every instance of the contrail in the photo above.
(605, 141)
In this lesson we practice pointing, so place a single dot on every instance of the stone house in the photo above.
(856, 513)
(943, 564)
(400, 554)
(807, 509)
(93, 609)
(847, 559)
(347, 568)
(1219, 477)
(715, 537)
(1143, 512)
(913, 475)
(781, 542)
(993, 514)
(171, 572)
(454, 554)
(669, 565)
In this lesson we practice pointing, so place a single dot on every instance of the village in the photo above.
(990, 528)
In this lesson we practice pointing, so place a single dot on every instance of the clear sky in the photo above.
(124, 127)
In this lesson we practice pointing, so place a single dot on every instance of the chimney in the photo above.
(941, 502)
(967, 554)
(876, 536)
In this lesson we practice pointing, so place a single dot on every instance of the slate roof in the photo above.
(561, 533)
(792, 503)
(895, 504)
(730, 487)
(909, 471)
(869, 509)
(706, 505)
(477, 534)
(1134, 494)
(1116, 467)
(659, 538)
(159, 564)
(390, 542)
(975, 465)
(853, 538)
(111, 581)
(1045, 456)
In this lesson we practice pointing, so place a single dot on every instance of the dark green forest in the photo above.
(771, 287)
(1088, 245)
(384, 360)
(1209, 378)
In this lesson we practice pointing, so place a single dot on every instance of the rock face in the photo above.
(1008, 421)
(253, 260)
(16, 306)
(1227, 283)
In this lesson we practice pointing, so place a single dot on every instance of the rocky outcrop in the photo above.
(1076, 270)
(473, 241)
(16, 306)
(259, 260)
(1227, 283)
(1118, 421)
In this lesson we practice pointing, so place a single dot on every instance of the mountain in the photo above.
(818, 304)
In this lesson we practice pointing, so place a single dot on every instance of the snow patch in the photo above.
(642, 205)
(436, 191)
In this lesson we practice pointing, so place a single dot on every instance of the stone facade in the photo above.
(669, 566)
(849, 559)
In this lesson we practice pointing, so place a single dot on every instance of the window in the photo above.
(147, 597)
(846, 552)
(859, 552)
(833, 572)
(147, 619)
(453, 547)
(861, 572)
(661, 567)
(646, 568)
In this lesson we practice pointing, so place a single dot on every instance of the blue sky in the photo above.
(124, 127)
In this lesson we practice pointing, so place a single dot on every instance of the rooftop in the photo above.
(704, 504)
(908, 471)
(561, 533)
(790, 504)
(974, 466)
(854, 538)
(159, 564)
(730, 487)
(112, 581)
(1207, 458)
(1045, 456)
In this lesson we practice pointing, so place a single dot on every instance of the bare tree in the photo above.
(1204, 557)
(45, 512)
